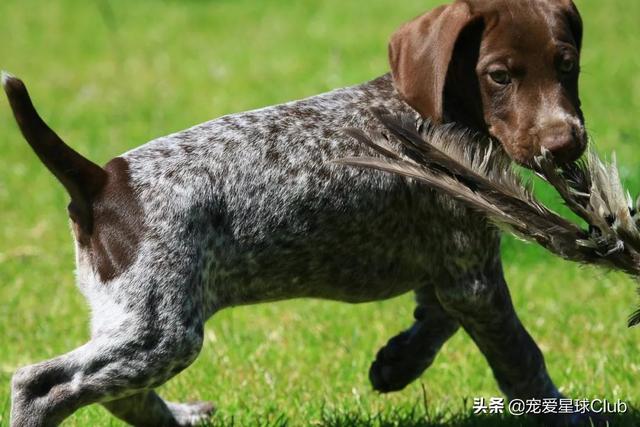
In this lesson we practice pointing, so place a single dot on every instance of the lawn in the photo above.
(110, 75)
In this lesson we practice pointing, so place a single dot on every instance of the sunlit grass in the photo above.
(110, 75)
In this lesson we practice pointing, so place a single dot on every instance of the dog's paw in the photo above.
(191, 414)
(397, 364)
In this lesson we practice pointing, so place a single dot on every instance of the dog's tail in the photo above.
(82, 178)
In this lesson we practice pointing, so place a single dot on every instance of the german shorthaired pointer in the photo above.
(249, 208)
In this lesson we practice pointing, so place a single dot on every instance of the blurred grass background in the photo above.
(110, 75)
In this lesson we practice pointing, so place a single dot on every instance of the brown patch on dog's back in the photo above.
(118, 224)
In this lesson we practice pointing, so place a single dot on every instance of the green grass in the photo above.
(110, 75)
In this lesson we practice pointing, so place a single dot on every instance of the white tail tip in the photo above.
(6, 77)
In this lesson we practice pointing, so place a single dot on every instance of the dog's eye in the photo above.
(567, 65)
(501, 77)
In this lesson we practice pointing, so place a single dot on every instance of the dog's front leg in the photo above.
(482, 304)
(407, 355)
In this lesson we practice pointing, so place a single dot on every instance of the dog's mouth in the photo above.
(520, 153)
(568, 147)
(523, 151)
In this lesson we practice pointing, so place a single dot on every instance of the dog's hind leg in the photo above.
(148, 409)
(128, 360)
(407, 355)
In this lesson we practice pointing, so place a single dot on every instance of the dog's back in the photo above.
(271, 217)
(252, 206)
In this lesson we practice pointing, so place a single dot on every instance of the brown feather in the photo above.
(472, 170)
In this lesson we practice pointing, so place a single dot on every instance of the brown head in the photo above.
(508, 68)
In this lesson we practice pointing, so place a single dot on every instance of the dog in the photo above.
(249, 208)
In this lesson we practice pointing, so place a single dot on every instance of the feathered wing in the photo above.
(467, 169)
(593, 191)
(524, 219)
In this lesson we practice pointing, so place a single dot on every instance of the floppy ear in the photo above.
(575, 22)
(420, 52)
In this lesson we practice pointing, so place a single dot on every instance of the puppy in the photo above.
(248, 208)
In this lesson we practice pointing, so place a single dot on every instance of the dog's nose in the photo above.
(564, 141)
